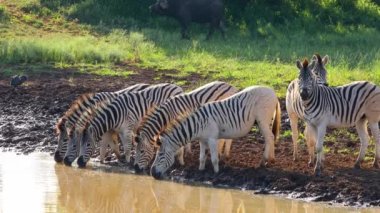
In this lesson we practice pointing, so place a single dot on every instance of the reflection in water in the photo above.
(36, 184)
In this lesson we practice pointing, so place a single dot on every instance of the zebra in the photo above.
(295, 109)
(229, 118)
(354, 104)
(153, 124)
(65, 126)
(123, 115)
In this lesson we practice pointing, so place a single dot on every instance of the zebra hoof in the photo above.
(310, 164)
(272, 161)
(263, 164)
(357, 166)
(318, 172)
(376, 165)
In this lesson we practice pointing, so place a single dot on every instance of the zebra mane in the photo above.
(59, 125)
(90, 113)
(76, 104)
(145, 118)
(175, 122)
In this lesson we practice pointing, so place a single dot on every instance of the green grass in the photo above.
(266, 59)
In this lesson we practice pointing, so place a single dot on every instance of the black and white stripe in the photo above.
(77, 115)
(123, 115)
(354, 104)
(230, 118)
(295, 108)
(176, 106)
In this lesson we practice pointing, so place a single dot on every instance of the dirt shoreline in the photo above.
(28, 115)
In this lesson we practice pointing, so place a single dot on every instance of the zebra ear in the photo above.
(325, 60)
(299, 64)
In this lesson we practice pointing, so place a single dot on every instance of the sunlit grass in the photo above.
(241, 61)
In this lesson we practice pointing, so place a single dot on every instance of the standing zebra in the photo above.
(65, 127)
(230, 118)
(122, 115)
(354, 104)
(159, 119)
(295, 109)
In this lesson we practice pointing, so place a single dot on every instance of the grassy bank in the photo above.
(243, 59)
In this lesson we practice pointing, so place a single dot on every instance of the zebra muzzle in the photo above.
(57, 157)
(304, 94)
(156, 174)
(67, 162)
(81, 163)
(138, 169)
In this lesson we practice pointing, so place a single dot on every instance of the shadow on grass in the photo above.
(346, 30)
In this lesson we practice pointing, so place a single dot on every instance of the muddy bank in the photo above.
(28, 115)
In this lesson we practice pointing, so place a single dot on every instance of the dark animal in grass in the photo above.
(17, 80)
(187, 11)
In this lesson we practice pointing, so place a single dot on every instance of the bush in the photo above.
(4, 15)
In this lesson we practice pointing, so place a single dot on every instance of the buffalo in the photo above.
(187, 11)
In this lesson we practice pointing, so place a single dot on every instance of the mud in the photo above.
(28, 115)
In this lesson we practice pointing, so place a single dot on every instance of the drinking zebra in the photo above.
(65, 127)
(354, 104)
(123, 115)
(230, 118)
(157, 121)
(295, 109)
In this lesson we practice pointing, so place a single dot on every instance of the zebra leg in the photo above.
(361, 128)
(310, 141)
(104, 142)
(227, 147)
(220, 147)
(180, 154)
(321, 131)
(376, 136)
(213, 146)
(202, 155)
(294, 126)
(126, 139)
(114, 144)
(102, 150)
(268, 155)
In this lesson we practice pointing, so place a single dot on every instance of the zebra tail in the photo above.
(277, 122)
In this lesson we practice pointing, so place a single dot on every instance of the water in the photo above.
(35, 183)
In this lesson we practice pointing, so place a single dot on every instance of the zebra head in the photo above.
(72, 147)
(87, 146)
(164, 158)
(306, 79)
(144, 152)
(319, 69)
(61, 136)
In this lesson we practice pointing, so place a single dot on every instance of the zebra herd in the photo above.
(162, 117)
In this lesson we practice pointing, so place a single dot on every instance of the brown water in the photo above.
(35, 183)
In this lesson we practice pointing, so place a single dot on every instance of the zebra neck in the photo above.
(315, 100)
(101, 126)
(189, 129)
